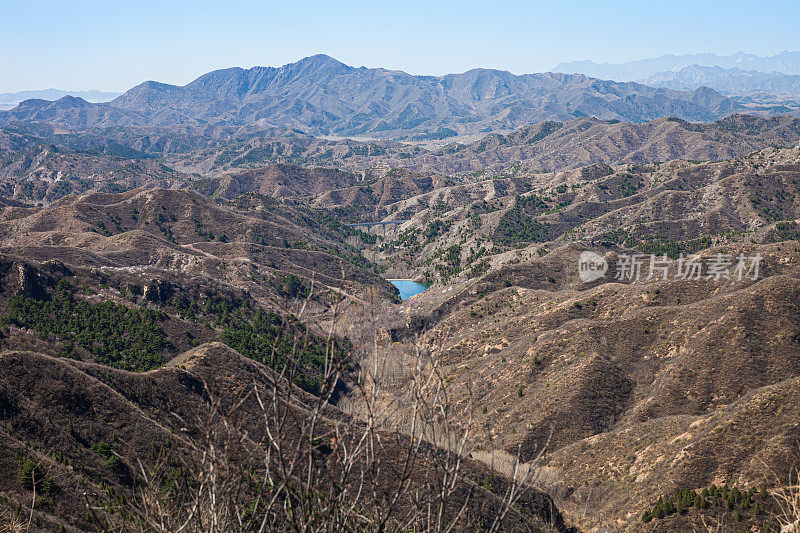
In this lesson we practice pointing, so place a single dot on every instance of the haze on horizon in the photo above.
(112, 47)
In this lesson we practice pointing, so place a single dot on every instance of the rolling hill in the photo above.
(641, 387)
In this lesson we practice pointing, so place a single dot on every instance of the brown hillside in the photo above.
(70, 418)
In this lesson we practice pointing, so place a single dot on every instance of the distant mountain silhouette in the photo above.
(10, 100)
(784, 63)
(320, 95)
(727, 80)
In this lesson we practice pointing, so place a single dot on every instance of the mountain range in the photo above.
(319, 95)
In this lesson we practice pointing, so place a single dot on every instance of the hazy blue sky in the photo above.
(113, 45)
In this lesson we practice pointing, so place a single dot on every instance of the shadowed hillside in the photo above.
(123, 450)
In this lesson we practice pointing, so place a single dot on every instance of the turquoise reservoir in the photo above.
(407, 287)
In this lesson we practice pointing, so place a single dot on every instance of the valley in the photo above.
(320, 297)
(632, 388)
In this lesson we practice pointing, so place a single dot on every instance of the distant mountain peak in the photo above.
(319, 59)
(72, 100)
(318, 63)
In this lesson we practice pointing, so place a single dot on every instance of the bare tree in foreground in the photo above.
(787, 499)
(323, 471)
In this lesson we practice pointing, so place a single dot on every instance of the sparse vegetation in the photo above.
(753, 505)
(116, 335)
(517, 227)
(31, 474)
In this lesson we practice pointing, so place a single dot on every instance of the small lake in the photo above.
(407, 287)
